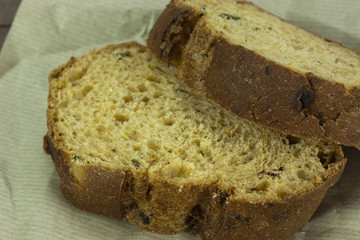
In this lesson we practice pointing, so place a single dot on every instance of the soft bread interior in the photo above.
(249, 26)
(120, 108)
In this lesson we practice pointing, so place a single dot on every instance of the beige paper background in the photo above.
(46, 34)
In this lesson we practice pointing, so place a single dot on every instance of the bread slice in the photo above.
(130, 141)
(263, 68)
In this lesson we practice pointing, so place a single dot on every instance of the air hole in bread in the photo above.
(88, 133)
(251, 146)
(176, 169)
(113, 107)
(86, 90)
(247, 159)
(161, 114)
(153, 79)
(64, 103)
(292, 140)
(304, 176)
(101, 128)
(326, 159)
(141, 50)
(77, 116)
(152, 144)
(96, 119)
(131, 89)
(145, 99)
(127, 98)
(204, 56)
(157, 94)
(196, 141)
(121, 117)
(148, 193)
(245, 135)
(297, 152)
(168, 122)
(123, 55)
(282, 192)
(263, 186)
(77, 74)
(135, 163)
(297, 47)
(141, 87)
(131, 134)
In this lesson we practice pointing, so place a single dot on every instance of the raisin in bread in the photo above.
(263, 68)
(130, 141)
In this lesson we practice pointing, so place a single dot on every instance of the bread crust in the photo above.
(182, 20)
(256, 88)
(162, 206)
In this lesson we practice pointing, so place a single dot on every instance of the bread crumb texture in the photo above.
(119, 108)
(278, 40)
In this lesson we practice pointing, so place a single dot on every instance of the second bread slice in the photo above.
(263, 68)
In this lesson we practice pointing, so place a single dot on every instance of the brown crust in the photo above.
(173, 27)
(262, 220)
(164, 207)
(260, 90)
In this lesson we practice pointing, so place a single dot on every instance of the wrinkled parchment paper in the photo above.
(44, 35)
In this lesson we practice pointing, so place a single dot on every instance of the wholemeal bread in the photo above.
(262, 68)
(130, 141)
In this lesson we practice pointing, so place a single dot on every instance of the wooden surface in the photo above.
(8, 9)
